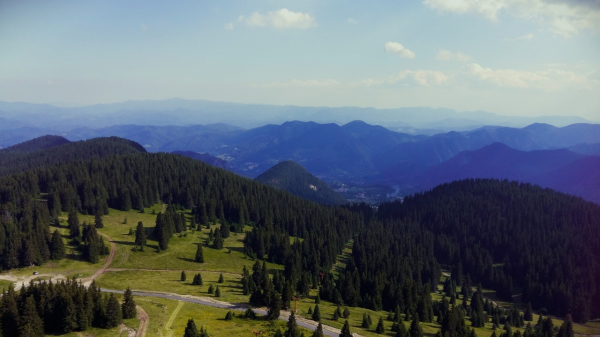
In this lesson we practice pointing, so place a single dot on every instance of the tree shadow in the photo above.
(186, 259)
(126, 243)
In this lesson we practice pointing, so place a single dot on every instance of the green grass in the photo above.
(181, 251)
(169, 281)
(4, 284)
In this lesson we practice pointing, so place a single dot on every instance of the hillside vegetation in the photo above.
(292, 177)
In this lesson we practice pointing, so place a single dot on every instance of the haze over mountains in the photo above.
(355, 157)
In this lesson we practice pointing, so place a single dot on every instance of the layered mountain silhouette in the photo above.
(203, 157)
(292, 177)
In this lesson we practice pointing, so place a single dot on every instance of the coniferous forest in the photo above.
(517, 239)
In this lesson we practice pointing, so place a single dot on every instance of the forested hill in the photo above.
(37, 144)
(515, 238)
(294, 178)
(37, 152)
(132, 181)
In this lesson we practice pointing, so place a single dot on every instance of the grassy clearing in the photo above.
(182, 248)
(5, 284)
(213, 319)
(169, 281)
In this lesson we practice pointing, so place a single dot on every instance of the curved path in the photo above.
(113, 250)
(305, 323)
(144, 319)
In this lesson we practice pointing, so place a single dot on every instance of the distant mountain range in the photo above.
(182, 112)
(203, 157)
(292, 177)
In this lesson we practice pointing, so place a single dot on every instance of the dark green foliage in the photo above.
(200, 254)
(380, 328)
(292, 177)
(292, 327)
(197, 280)
(114, 316)
(57, 246)
(543, 239)
(211, 289)
(316, 315)
(218, 292)
(401, 332)
(566, 329)
(278, 333)
(249, 314)
(318, 331)
(229, 316)
(415, 329)
(94, 245)
(73, 223)
(30, 323)
(528, 316)
(128, 306)
(221, 280)
(346, 330)
(274, 308)
(98, 220)
(218, 240)
(183, 276)
(190, 329)
(140, 235)
(366, 322)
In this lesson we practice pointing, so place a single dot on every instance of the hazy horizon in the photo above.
(528, 58)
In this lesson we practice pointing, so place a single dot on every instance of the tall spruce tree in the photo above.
(98, 220)
(190, 329)
(57, 246)
(30, 323)
(114, 316)
(415, 328)
(218, 241)
(128, 306)
(316, 315)
(292, 327)
(140, 236)
(318, 331)
(199, 254)
(274, 308)
(346, 330)
(380, 328)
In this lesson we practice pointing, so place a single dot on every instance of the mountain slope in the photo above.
(561, 170)
(13, 162)
(40, 143)
(292, 177)
(203, 157)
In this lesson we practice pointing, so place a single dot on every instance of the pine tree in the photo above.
(211, 289)
(401, 330)
(199, 254)
(274, 306)
(218, 241)
(140, 235)
(57, 246)
(98, 220)
(528, 316)
(292, 327)
(365, 322)
(221, 280)
(380, 327)
(319, 331)
(30, 323)
(73, 223)
(249, 314)
(191, 330)
(128, 306)
(415, 328)
(183, 276)
(316, 315)
(229, 316)
(114, 317)
(197, 280)
(218, 292)
(346, 313)
(346, 330)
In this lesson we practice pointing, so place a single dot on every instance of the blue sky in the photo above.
(514, 57)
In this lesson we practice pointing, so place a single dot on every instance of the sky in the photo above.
(512, 57)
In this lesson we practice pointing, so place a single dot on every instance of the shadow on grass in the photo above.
(125, 243)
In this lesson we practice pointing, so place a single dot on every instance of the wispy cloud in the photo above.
(551, 79)
(526, 37)
(446, 55)
(143, 27)
(280, 19)
(563, 17)
(351, 20)
(229, 26)
(397, 49)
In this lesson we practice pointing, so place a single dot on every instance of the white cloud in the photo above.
(229, 26)
(351, 20)
(280, 19)
(144, 27)
(446, 55)
(399, 50)
(422, 77)
(563, 17)
(551, 79)
(526, 37)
